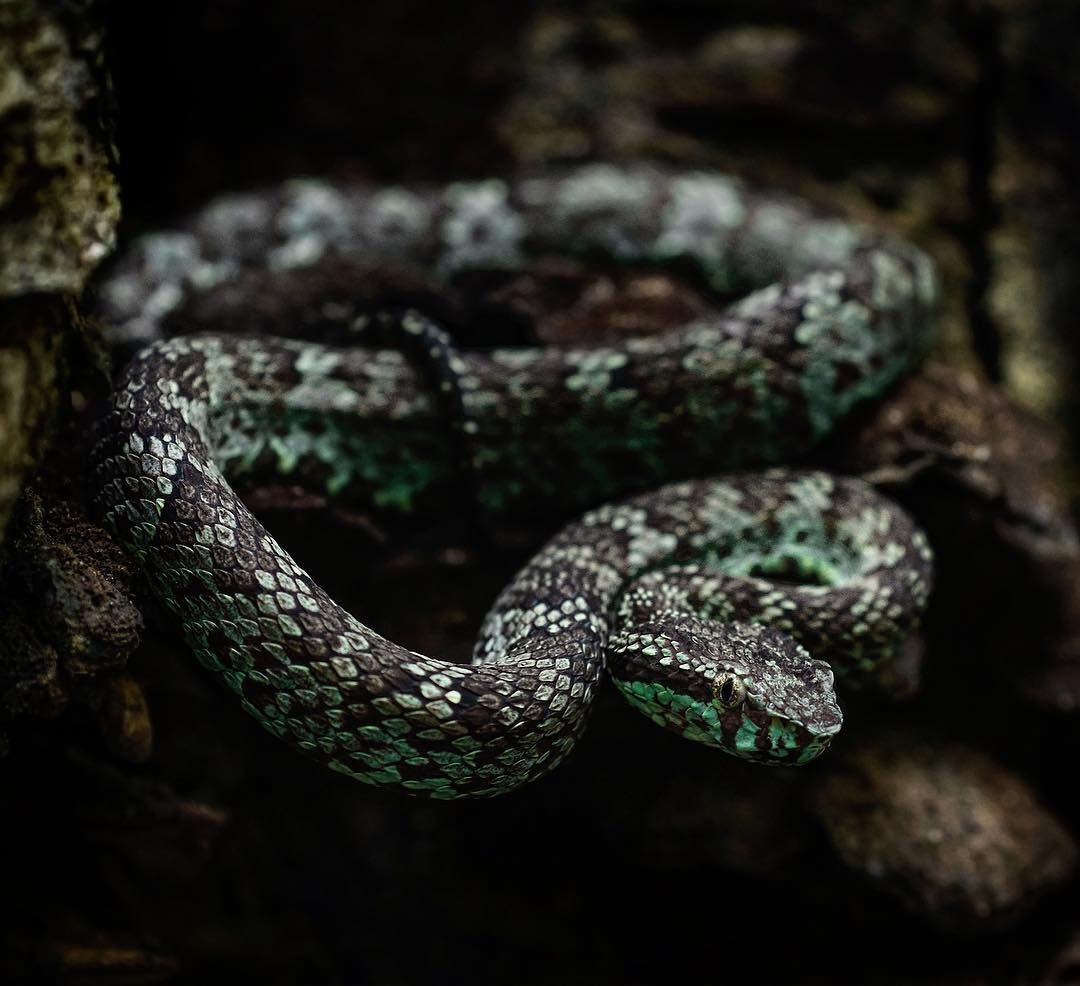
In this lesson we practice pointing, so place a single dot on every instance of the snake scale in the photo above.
(703, 599)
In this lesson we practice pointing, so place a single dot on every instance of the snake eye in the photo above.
(728, 690)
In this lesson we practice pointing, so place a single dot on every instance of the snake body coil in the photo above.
(571, 426)
(836, 314)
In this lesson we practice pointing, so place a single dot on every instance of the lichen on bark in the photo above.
(59, 206)
(59, 199)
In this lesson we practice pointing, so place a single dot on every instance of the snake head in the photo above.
(750, 690)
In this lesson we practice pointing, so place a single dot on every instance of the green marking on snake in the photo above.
(703, 599)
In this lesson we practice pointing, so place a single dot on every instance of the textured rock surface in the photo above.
(30, 367)
(1034, 213)
(59, 201)
(69, 623)
(960, 838)
(59, 206)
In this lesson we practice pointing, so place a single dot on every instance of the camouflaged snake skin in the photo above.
(756, 385)
(836, 313)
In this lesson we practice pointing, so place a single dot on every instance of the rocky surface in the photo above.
(59, 208)
(958, 837)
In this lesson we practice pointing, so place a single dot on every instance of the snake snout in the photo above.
(750, 690)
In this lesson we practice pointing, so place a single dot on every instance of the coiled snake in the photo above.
(702, 598)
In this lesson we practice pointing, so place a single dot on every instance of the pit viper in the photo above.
(703, 599)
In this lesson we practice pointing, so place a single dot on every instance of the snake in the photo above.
(702, 599)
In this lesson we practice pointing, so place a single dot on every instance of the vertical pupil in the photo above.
(727, 689)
